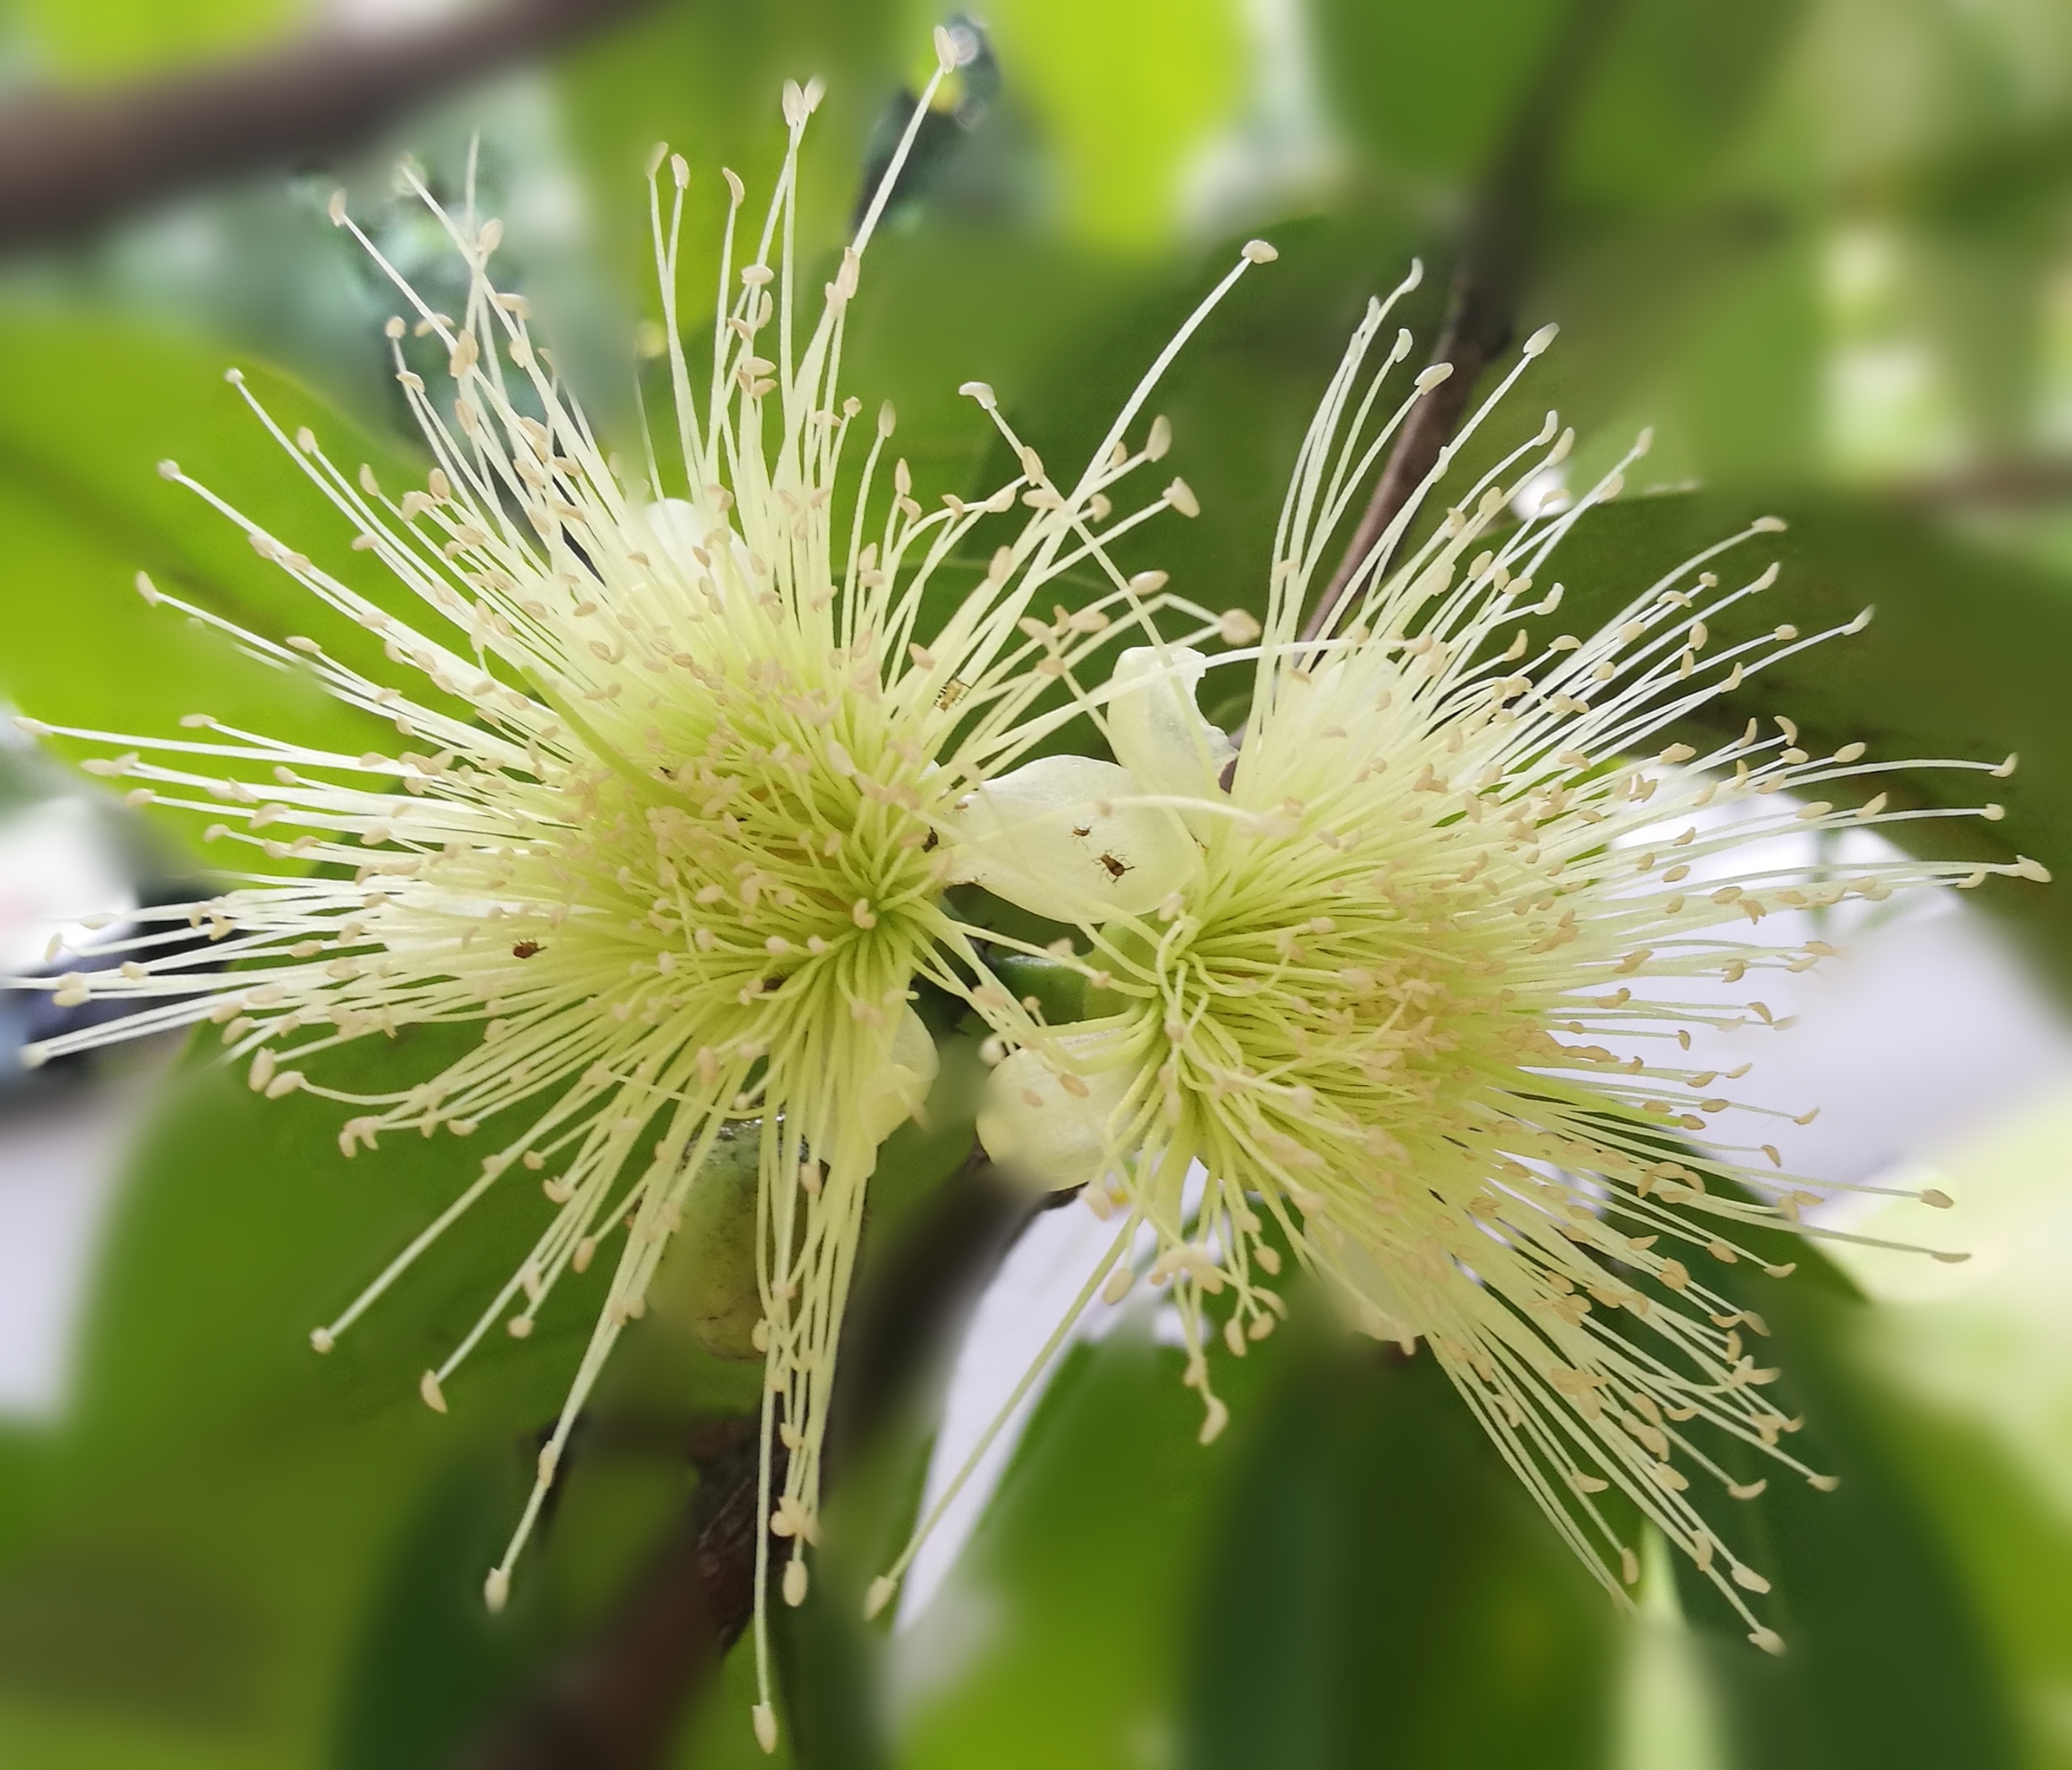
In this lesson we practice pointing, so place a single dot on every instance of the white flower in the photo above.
(673, 802)
(1376, 995)
(1070, 835)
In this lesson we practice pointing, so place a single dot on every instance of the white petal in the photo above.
(1157, 731)
(1369, 1299)
(1034, 1127)
(673, 524)
(679, 533)
(1059, 837)
(904, 1084)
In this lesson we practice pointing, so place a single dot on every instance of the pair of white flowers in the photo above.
(680, 784)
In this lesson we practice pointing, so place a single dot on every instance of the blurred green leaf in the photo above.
(1903, 81)
(288, 1552)
(2010, 179)
(1384, 1592)
(2014, 1552)
(112, 38)
(1982, 301)
(1641, 126)
(942, 304)
(1670, 241)
(238, 1515)
(1427, 90)
(1239, 396)
(831, 1669)
(1668, 103)
(92, 408)
(430, 1661)
(1962, 660)
(1889, 1663)
(719, 1736)
(707, 80)
(1060, 1638)
(1124, 96)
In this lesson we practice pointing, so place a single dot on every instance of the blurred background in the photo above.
(1824, 247)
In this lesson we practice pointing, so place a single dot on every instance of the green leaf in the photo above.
(706, 79)
(1239, 396)
(92, 408)
(248, 1519)
(942, 304)
(1383, 1591)
(1962, 661)
(1124, 96)
(2012, 1547)
(1059, 1639)
(831, 1669)
(1889, 1663)
(1667, 101)
(430, 1661)
(1427, 90)
(113, 38)
(719, 1736)
(1983, 303)
(1670, 240)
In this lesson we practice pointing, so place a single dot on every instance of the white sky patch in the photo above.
(1989, 1341)
(61, 1168)
(1279, 151)
(1019, 1311)
(1926, 1025)
(1029, 1295)
(60, 1157)
(1544, 493)
(56, 869)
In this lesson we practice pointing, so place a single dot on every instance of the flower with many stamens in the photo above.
(671, 808)
(1404, 981)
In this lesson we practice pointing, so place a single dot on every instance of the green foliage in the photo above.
(1337, 1632)
(1084, 1577)
(1960, 661)
(705, 79)
(245, 1553)
(233, 1554)
(90, 409)
(429, 1662)
(114, 38)
(1889, 1663)
(1390, 73)
(1126, 96)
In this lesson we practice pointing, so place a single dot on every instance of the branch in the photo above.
(614, 1702)
(1498, 246)
(2018, 482)
(70, 161)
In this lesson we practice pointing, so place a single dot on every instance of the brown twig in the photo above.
(1497, 248)
(614, 1702)
(2043, 483)
(70, 161)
